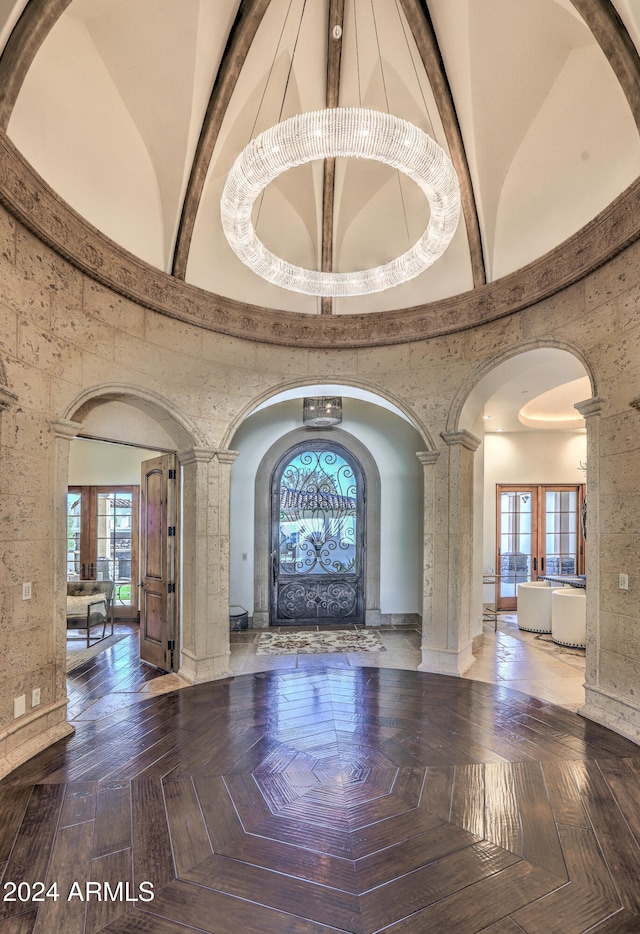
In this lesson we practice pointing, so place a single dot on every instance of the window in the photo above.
(102, 540)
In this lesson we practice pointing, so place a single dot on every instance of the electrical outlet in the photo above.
(26, 591)
(623, 581)
(35, 697)
(19, 706)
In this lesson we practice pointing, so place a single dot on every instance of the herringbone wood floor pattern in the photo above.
(350, 800)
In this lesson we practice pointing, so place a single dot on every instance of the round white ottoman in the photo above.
(534, 606)
(569, 617)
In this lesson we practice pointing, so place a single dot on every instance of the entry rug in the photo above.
(317, 643)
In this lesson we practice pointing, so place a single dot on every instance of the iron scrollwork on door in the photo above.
(318, 528)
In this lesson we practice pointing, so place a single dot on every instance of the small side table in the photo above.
(490, 610)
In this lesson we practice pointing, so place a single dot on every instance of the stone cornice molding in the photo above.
(590, 407)
(427, 458)
(462, 437)
(63, 428)
(226, 457)
(6, 398)
(196, 456)
(25, 194)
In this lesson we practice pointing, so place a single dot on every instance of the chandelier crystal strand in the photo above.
(350, 132)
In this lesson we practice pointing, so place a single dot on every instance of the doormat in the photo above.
(77, 656)
(317, 643)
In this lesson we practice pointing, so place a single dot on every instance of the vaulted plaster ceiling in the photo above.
(133, 111)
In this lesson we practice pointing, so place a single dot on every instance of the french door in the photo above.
(317, 544)
(538, 532)
(102, 541)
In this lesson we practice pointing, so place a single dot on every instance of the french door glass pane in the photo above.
(113, 542)
(516, 517)
(74, 518)
(561, 539)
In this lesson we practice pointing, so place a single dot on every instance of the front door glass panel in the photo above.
(318, 525)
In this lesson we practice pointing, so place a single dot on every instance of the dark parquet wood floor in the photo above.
(328, 800)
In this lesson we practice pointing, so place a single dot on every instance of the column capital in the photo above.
(462, 437)
(226, 457)
(427, 458)
(63, 428)
(591, 407)
(196, 456)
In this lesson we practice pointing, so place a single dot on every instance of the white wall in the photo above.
(527, 457)
(393, 444)
(97, 463)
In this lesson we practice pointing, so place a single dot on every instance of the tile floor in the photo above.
(522, 661)
(519, 660)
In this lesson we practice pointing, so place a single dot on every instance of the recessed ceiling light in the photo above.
(486, 416)
(499, 429)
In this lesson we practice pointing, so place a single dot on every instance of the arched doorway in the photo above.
(317, 536)
(120, 418)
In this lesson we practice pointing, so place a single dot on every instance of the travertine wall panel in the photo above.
(216, 347)
(618, 630)
(173, 334)
(8, 227)
(8, 330)
(120, 314)
(618, 276)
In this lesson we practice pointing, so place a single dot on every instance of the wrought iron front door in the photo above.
(317, 508)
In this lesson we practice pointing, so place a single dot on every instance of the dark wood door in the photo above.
(317, 546)
(158, 559)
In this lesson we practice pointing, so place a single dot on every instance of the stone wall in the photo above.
(66, 343)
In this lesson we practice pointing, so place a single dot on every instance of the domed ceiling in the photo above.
(133, 111)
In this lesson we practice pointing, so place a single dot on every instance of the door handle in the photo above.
(542, 564)
(84, 568)
(92, 570)
(535, 564)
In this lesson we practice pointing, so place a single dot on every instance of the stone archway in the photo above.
(481, 390)
(204, 616)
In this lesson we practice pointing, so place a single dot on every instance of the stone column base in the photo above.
(447, 661)
(30, 735)
(199, 670)
(260, 619)
(614, 712)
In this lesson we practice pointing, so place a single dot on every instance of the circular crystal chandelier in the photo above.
(355, 133)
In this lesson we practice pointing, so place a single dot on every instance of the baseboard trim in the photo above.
(32, 734)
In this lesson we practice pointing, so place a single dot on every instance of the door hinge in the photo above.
(171, 644)
(172, 474)
(171, 588)
(171, 530)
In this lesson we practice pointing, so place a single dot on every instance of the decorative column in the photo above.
(591, 410)
(428, 460)
(64, 431)
(446, 637)
(205, 561)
